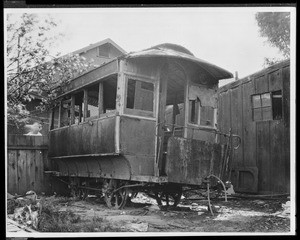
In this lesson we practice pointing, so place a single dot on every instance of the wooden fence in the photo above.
(27, 158)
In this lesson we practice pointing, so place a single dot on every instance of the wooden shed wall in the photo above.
(26, 161)
(262, 163)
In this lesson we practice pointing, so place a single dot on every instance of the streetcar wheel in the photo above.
(115, 199)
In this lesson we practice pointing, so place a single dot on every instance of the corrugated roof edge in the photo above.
(253, 75)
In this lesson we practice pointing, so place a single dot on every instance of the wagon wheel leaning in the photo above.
(115, 199)
(168, 196)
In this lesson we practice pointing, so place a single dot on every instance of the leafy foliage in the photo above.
(276, 27)
(31, 70)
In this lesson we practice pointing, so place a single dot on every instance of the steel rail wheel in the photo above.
(115, 199)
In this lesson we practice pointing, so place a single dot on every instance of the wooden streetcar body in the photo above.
(132, 117)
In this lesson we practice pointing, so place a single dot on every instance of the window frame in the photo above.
(261, 107)
(139, 112)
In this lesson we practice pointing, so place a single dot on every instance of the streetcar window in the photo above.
(194, 111)
(55, 115)
(78, 107)
(140, 96)
(109, 95)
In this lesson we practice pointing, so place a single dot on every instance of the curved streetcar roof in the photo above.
(170, 50)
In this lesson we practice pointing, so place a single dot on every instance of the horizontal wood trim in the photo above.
(260, 73)
(92, 76)
(149, 179)
(141, 77)
(138, 112)
(87, 155)
(27, 147)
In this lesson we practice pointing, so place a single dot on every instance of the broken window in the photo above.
(140, 96)
(267, 106)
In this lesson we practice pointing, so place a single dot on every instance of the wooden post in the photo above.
(85, 102)
(59, 114)
(100, 99)
(72, 110)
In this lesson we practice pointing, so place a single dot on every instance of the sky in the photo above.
(226, 37)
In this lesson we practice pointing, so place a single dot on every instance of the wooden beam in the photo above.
(100, 99)
(59, 114)
(72, 110)
(85, 104)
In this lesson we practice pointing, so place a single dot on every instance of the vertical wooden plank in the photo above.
(237, 121)
(100, 99)
(22, 179)
(286, 123)
(72, 109)
(261, 84)
(275, 80)
(30, 158)
(12, 172)
(249, 126)
(277, 167)
(276, 137)
(85, 102)
(263, 155)
(263, 141)
(59, 114)
(39, 170)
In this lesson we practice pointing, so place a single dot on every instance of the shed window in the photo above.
(267, 106)
(140, 97)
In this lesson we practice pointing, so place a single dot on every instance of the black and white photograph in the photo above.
(149, 120)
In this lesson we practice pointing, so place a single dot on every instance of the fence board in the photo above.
(27, 156)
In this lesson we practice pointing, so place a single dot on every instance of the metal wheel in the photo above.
(115, 199)
(168, 196)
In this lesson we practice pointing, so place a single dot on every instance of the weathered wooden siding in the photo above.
(26, 161)
(93, 137)
(262, 162)
(137, 144)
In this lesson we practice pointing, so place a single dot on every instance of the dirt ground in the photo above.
(143, 215)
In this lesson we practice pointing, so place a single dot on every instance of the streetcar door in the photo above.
(171, 114)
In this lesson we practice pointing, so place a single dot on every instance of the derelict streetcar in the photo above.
(145, 121)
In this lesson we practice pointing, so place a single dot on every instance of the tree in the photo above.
(31, 68)
(276, 27)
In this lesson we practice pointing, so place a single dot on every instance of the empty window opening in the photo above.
(194, 106)
(109, 95)
(65, 118)
(140, 95)
(78, 107)
(92, 101)
(277, 105)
